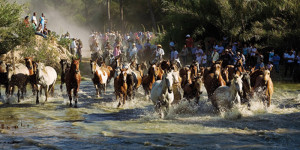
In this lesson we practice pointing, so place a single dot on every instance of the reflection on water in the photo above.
(98, 124)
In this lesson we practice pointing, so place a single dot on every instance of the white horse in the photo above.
(45, 77)
(224, 97)
(162, 93)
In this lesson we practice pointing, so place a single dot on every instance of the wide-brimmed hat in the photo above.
(226, 50)
(133, 44)
(158, 45)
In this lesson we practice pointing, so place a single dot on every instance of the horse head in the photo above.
(28, 62)
(40, 68)
(63, 64)
(123, 75)
(153, 70)
(75, 65)
(246, 81)
(216, 69)
(198, 83)
(168, 78)
(238, 84)
(10, 71)
(93, 66)
(266, 75)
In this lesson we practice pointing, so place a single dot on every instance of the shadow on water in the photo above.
(257, 122)
(133, 140)
(122, 115)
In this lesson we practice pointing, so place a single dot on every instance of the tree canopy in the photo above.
(12, 31)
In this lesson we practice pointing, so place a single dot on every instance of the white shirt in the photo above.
(73, 44)
(133, 51)
(34, 19)
(215, 56)
(159, 52)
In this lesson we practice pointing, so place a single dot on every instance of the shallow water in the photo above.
(98, 124)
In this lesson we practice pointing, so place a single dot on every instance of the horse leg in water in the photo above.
(19, 89)
(75, 93)
(97, 90)
(37, 94)
(46, 88)
(70, 96)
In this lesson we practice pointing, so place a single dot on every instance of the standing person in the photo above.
(297, 68)
(133, 52)
(271, 55)
(159, 52)
(184, 53)
(253, 52)
(290, 63)
(79, 53)
(215, 56)
(117, 51)
(33, 18)
(203, 60)
(174, 56)
(42, 21)
(189, 42)
(276, 60)
(226, 58)
(73, 46)
(269, 66)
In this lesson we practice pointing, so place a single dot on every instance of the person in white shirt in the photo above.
(215, 56)
(198, 58)
(253, 52)
(290, 63)
(159, 52)
(174, 55)
(73, 46)
(33, 18)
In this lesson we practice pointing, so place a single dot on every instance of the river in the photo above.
(98, 124)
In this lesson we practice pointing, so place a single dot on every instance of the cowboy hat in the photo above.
(159, 45)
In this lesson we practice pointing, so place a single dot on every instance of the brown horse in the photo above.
(120, 85)
(31, 65)
(194, 89)
(213, 78)
(263, 81)
(185, 74)
(149, 79)
(73, 79)
(236, 69)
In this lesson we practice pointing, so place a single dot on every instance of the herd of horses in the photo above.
(165, 83)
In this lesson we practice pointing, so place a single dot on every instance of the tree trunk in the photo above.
(152, 15)
(108, 15)
(122, 16)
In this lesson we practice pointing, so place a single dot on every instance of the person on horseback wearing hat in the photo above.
(159, 52)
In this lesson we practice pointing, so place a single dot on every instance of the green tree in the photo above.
(12, 31)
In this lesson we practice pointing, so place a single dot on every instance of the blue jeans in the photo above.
(276, 66)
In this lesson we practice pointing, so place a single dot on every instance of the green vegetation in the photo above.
(12, 30)
(268, 23)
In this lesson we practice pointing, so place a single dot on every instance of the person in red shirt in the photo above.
(189, 42)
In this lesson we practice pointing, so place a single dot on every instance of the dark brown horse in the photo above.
(73, 79)
(149, 79)
(194, 89)
(213, 78)
(3, 76)
(120, 85)
(64, 66)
